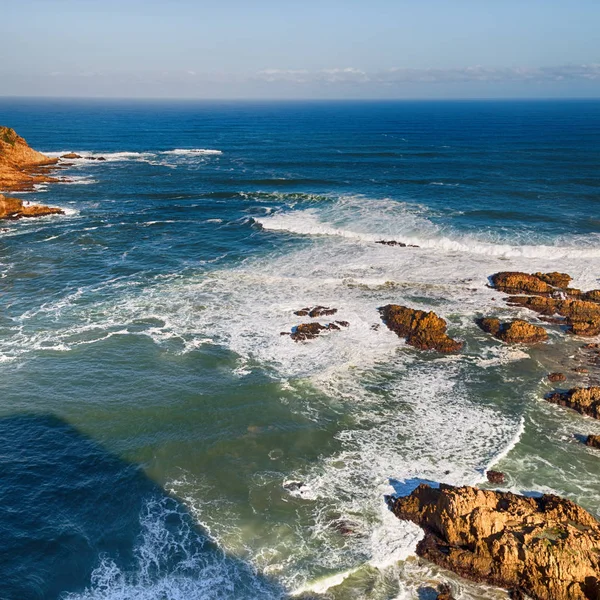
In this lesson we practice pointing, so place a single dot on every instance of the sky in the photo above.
(378, 49)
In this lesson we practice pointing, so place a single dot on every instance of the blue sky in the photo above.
(300, 49)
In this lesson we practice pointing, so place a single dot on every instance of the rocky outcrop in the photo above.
(513, 332)
(584, 400)
(423, 330)
(13, 208)
(556, 377)
(545, 547)
(550, 296)
(316, 311)
(496, 477)
(593, 441)
(71, 156)
(309, 331)
(20, 166)
(395, 243)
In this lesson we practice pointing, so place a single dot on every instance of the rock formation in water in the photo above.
(316, 311)
(513, 332)
(584, 400)
(20, 166)
(550, 296)
(495, 477)
(13, 208)
(309, 331)
(556, 377)
(424, 330)
(545, 547)
(593, 441)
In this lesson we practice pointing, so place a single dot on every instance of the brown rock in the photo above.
(20, 166)
(13, 208)
(592, 296)
(556, 377)
(317, 311)
(309, 331)
(514, 332)
(424, 330)
(495, 477)
(517, 282)
(71, 155)
(584, 400)
(545, 547)
(558, 280)
(593, 441)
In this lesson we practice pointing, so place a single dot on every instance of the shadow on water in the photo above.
(78, 522)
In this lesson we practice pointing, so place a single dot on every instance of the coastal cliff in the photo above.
(21, 167)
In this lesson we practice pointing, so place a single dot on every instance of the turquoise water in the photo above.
(162, 440)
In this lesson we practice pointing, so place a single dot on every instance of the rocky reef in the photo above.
(423, 330)
(593, 441)
(13, 208)
(513, 332)
(21, 168)
(546, 547)
(584, 400)
(550, 296)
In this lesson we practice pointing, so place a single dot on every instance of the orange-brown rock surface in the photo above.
(514, 332)
(309, 331)
(593, 441)
(424, 330)
(584, 400)
(13, 208)
(545, 547)
(315, 311)
(21, 166)
(552, 298)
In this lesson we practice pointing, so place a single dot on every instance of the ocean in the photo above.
(160, 440)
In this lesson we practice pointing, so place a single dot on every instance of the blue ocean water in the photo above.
(153, 416)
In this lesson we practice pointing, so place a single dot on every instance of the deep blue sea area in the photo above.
(160, 439)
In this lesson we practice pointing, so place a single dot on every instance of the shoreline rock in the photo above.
(513, 332)
(315, 311)
(12, 209)
(423, 330)
(593, 441)
(545, 547)
(584, 400)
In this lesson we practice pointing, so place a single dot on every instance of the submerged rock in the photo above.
(556, 377)
(495, 477)
(545, 547)
(13, 209)
(513, 332)
(316, 311)
(309, 331)
(584, 400)
(395, 243)
(593, 441)
(424, 330)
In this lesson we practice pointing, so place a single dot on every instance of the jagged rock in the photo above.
(424, 330)
(391, 243)
(582, 317)
(309, 331)
(593, 441)
(584, 400)
(71, 155)
(557, 280)
(343, 323)
(94, 158)
(316, 311)
(20, 166)
(517, 282)
(545, 547)
(514, 332)
(495, 477)
(592, 296)
(13, 208)
(556, 377)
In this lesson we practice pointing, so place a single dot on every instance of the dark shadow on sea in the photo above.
(65, 502)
